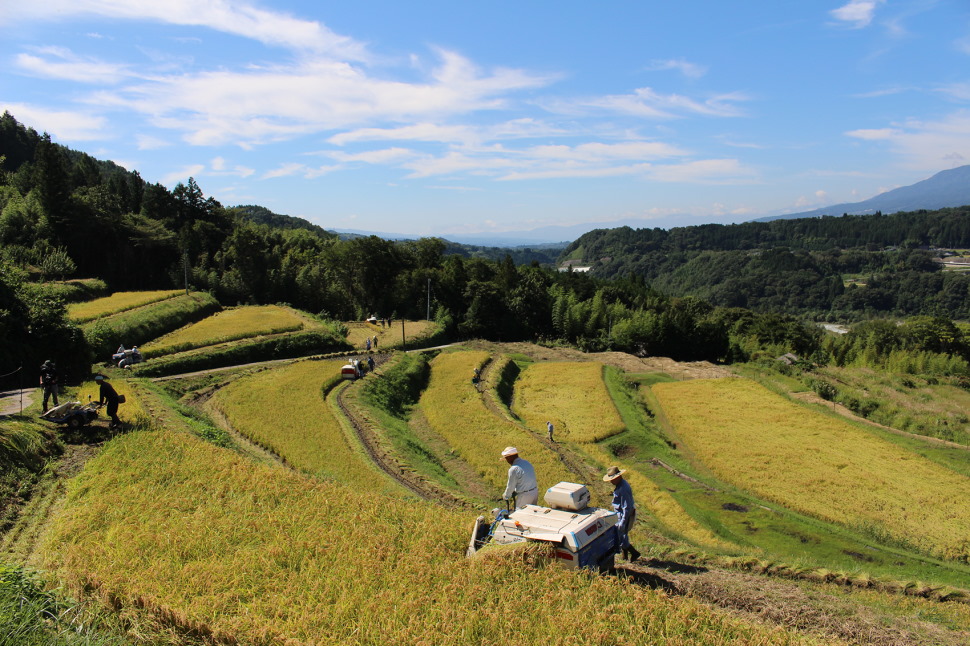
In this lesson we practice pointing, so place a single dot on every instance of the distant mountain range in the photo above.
(946, 188)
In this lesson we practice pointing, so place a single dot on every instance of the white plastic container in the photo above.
(568, 496)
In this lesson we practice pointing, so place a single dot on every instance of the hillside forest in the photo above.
(719, 293)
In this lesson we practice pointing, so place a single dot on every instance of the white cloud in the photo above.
(307, 172)
(688, 69)
(238, 18)
(874, 134)
(62, 63)
(958, 91)
(149, 142)
(858, 13)
(383, 156)
(65, 125)
(183, 175)
(649, 104)
(271, 104)
(926, 145)
(455, 134)
(704, 171)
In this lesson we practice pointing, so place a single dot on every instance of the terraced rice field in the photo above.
(117, 302)
(818, 465)
(228, 325)
(284, 410)
(388, 337)
(235, 552)
(454, 409)
(574, 397)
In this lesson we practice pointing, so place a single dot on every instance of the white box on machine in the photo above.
(568, 495)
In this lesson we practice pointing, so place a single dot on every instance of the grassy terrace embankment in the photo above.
(821, 466)
(211, 543)
(116, 303)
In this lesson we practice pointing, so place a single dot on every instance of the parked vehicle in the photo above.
(72, 414)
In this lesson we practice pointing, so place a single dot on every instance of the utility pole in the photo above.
(185, 270)
(427, 316)
(404, 340)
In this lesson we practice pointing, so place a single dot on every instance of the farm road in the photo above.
(10, 401)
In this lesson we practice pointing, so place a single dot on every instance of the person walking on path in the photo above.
(48, 382)
(110, 396)
(375, 342)
(522, 479)
(549, 428)
(625, 508)
(367, 344)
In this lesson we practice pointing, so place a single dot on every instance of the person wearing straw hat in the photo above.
(625, 508)
(48, 382)
(522, 479)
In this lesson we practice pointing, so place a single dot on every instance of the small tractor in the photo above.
(72, 414)
(583, 536)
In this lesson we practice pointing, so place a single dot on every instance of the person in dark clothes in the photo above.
(48, 381)
(109, 396)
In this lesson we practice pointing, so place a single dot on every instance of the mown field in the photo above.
(228, 325)
(820, 465)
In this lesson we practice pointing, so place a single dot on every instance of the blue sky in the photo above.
(438, 118)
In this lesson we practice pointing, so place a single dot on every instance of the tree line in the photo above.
(65, 213)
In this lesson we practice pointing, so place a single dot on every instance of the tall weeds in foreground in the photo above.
(202, 539)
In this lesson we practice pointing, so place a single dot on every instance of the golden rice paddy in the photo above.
(117, 302)
(228, 325)
(572, 395)
(819, 465)
(237, 552)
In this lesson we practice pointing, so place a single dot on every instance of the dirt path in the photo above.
(780, 602)
(14, 402)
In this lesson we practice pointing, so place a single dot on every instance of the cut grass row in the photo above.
(200, 538)
(821, 466)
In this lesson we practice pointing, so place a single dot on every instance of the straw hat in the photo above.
(613, 473)
(509, 450)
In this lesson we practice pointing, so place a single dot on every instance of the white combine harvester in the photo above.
(583, 536)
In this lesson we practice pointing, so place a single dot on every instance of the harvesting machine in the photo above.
(583, 536)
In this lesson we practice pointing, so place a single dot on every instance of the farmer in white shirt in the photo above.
(522, 479)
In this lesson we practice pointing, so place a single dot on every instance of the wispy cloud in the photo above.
(62, 63)
(183, 174)
(307, 172)
(259, 105)
(688, 69)
(856, 13)
(926, 145)
(67, 125)
(238, 18)
(650, 104)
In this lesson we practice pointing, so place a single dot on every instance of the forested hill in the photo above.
(845, 267)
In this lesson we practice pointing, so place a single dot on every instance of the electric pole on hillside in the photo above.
(404, 340)
(185, 270)
(427, 317)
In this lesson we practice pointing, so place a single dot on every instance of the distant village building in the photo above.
(574, 265)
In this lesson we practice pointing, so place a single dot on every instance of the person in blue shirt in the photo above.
(625, 508)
